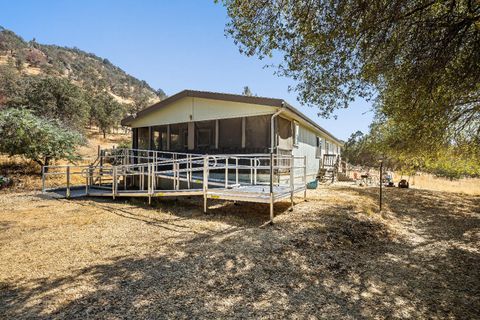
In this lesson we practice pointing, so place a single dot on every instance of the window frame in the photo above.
(296, 133)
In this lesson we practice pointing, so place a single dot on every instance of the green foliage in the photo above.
(86, 69)
(420, 60)
(36, 138)
(246, 91)
(55, 98)
(359, 151)
(106, 112)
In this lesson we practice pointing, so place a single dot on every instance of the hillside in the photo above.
(82, 68)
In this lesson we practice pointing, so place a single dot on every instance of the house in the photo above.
(218, 123)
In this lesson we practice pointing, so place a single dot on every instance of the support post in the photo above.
(205, 183)
(226, 172)
(236, 171)
(68, 183)
(255, 171)
(114, 182)
(381, 176)
(43, 179)
(305, 178)
(87, 180)
(271, 188)
(292, 180)
(150, 178)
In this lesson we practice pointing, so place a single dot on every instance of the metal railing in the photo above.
(127, 171)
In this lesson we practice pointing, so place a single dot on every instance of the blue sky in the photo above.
(173, 45)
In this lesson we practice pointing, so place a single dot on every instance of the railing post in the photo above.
(205, 183)
(43, 179)
(187, 167)
(150, 178)
(255, 171)
(236, 171)
(305, 177)
(292, 180)
(271, 187)
(68, 183)
(226, 172)
(87, 180)
(114, 182)
(251, 171)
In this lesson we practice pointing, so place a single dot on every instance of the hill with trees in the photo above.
(86, 70)
(49, 95)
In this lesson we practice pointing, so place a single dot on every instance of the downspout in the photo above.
(272, 128)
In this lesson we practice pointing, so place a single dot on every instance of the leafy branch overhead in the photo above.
(419, 59)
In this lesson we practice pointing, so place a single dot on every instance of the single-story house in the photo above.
(218, 123)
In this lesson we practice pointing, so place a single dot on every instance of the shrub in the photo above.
(41, 140)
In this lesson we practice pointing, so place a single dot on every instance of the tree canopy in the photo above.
(54, 98)
(41, 140)
(419, 60)
(106, 112)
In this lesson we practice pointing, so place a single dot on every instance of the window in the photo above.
(203, 138)
(285, 135)
(205, 135)
(159, 137)
(178, 137)
(143, 138)
(230, 134)
(257, 133)
(296, 133)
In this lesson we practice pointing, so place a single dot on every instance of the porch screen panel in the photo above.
(179, 137)
(257, 133)
(159, 138)
(285, 134)
(143, 138)
(135, 138)
(230, 134)
(205, 135)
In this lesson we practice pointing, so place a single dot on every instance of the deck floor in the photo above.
(248, 193)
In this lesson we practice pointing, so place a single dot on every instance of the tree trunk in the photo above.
(104, 134)
(40, 163)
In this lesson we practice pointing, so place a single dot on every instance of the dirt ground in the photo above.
(332, 257)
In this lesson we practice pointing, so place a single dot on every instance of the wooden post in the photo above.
(68, 183)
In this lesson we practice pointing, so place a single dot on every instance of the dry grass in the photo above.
(26, 174)
(429, 182)
(332, 257)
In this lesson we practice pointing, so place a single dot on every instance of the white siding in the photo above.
(307, 146)
(199, 109)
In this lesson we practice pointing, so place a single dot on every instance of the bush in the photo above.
(41, 140)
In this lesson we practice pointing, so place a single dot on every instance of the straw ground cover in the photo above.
(332, 257)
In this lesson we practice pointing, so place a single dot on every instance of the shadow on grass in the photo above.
(338, 265)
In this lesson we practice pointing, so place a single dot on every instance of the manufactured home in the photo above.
(218, 146)
(216, 123)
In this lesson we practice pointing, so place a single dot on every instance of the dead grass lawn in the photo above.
(332, 257)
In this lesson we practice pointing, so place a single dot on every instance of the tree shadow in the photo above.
(333, 263)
